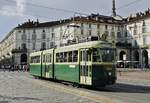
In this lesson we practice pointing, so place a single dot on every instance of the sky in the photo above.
(14, 12)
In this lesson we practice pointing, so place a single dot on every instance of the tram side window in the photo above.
(103, 55)
(48, 58)
(61, 57)
(96, 55)
(81, 71)
(57, 57)
(86, 56)
(65, 57)
(44, 58)
(90, 71)
(81, 55)
(70, 56)
(75, 56)
(84, 71)
(35, 59)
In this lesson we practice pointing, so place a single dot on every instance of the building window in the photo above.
(126, 33)
(33, 46)
(135, 29)
(119, 28)
(90, 29)
(98, 33)
(52, 44)
(90, 26)
(143, 27)
(118, 35)
(43, 46)
(144, 40)
(135, 43)
(98, 30)
(82, 32)
(82, 29)
(43, 35)
(19, 31)
(24, 31)
(52, 34)
(61, 32)
(24, 37)
(34, 31)
(113, 34)
(23, 46)
(106, 27)
(90, 32)
(98, 26)
(33, 36)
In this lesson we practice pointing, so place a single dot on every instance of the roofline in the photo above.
(7, 35)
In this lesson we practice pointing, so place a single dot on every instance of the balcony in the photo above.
(19, 50)
(126, 45)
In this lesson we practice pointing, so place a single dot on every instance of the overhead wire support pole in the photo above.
(126, 5)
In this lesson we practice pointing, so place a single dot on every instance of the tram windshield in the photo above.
(103, 55)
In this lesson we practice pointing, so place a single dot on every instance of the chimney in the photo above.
(37, 20)
(113, 8)
(29, 20)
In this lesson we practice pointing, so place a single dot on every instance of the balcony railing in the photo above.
(19, 50)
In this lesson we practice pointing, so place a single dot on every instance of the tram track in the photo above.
(74, 91)
(118, 93)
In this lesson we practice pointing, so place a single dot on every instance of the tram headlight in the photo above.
(109, 73)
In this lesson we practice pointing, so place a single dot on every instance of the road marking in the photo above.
(73, 91)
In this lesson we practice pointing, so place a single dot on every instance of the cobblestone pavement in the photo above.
(134, 77)
(16, 88)
(20, 87)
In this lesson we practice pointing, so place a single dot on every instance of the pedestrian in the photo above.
(12, 67)
(23, 68)
(18, 67)
(26, 67)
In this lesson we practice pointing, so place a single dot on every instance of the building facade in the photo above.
(138, 31)
(130, 36)
(34, 36)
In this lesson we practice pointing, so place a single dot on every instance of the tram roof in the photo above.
(84, 45)
(48, 51)
(36, 53)
(75, 47)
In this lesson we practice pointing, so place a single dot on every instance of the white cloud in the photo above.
(13, 10)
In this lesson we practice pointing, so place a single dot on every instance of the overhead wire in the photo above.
(29, 12)
(50, 8)
(63, 10)
(130, 3)
(70, 11)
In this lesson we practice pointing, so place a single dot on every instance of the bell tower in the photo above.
(113, 8)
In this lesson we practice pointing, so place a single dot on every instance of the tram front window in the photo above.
(103, 55)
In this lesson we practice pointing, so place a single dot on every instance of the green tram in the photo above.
(90, 63)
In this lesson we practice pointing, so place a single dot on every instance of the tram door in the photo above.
(85, 67)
